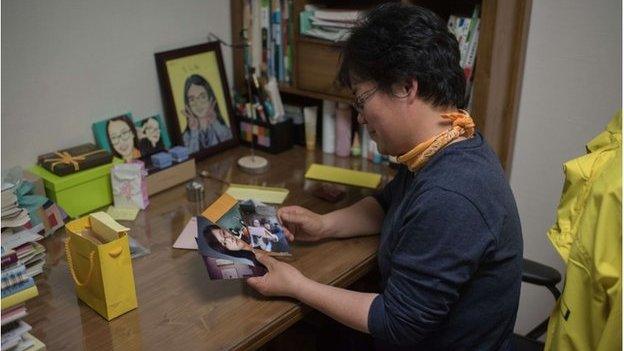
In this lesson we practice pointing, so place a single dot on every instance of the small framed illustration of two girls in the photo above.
(196, 99)
(128, 139)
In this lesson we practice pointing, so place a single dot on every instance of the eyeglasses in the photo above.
(125, 135)
(149, 130)
(361, 99)
(201, 98)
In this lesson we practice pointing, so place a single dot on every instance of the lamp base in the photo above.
(253, 164)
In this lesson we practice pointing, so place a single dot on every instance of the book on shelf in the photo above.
(269, 35)
(466, 30)
(338, 15)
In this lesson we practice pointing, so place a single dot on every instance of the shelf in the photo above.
(285, 88)
(305, 39)
(497, 76)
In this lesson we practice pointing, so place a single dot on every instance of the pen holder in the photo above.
(272, 138)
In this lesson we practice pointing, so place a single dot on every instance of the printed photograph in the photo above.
(257, 225)
(225, 255)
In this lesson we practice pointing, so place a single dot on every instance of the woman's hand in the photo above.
(281, 279)
(190, 118)
(302, 224)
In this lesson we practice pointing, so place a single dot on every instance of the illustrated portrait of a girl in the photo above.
(205, 124)
(150, 141)
(122, 137)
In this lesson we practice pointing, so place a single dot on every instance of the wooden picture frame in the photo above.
(196, 99)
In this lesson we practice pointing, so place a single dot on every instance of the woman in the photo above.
(228, 247)
(450, 252)
(122, 137)
(226, 240)
(206, 126)
(150, 141)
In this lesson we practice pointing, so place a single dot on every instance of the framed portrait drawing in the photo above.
(131, 140)
(119, 136)
(153, 135)
(196, 99)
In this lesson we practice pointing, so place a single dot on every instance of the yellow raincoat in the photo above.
(588, 236)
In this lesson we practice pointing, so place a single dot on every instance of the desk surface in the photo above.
(179, 307)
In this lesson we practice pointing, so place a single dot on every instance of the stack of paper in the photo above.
(466, 30)
(328, 24)
(18, 286)
(12, 215)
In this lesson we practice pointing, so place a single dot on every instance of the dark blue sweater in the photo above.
(450, 255)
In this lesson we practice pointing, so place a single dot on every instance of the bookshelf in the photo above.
(498, 70)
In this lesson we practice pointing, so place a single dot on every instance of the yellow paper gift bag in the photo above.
(102, 272)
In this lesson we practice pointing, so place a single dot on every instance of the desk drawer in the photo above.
(317, 65)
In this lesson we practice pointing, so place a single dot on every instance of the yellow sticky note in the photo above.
(123, 213)
(260, 193)
(343, 176)
(105, 227)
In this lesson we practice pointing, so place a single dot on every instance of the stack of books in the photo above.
(23, 245)
(466, 30)
(19, 236)
(328, 24)
(17, 287)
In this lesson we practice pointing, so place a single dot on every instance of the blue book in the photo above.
(13, 276)
(18, 287)
(276, 38)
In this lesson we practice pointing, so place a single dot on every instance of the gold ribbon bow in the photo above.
(65, 158)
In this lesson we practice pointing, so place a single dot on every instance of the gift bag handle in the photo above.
(70, 263)
(115, 252)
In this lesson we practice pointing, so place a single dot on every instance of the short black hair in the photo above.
(395, 43)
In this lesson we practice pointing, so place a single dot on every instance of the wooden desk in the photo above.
(179, 307)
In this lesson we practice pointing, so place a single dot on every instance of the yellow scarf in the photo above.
(463, 125)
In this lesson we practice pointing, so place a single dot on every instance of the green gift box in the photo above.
(79, 193)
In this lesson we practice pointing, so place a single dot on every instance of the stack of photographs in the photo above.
(230, 231)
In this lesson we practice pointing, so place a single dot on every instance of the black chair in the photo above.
(542, 275)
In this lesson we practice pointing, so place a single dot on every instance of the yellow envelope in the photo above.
(343, 176)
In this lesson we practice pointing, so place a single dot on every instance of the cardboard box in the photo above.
(81, 192)
(170, 177)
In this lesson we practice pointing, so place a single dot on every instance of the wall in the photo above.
(571, 88)
(69, 63)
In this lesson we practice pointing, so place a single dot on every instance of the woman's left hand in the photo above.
(281, 279)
